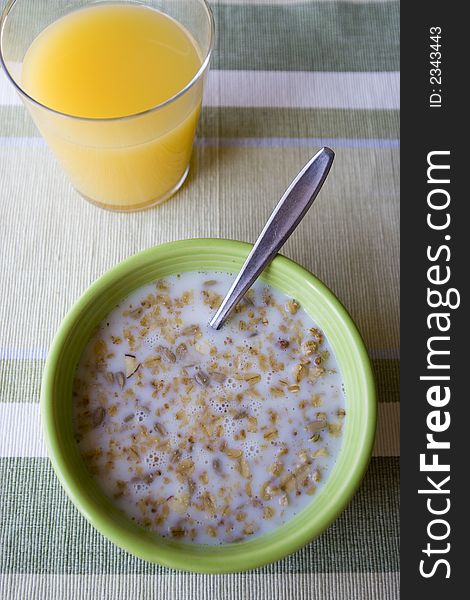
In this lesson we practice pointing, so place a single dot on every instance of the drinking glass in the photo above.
(126, 163)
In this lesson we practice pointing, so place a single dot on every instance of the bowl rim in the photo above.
(174, 555)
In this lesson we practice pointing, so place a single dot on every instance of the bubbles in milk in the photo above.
(152, 340)
(250, 449)
(140, 487)
(142, 415)
(230, 403)
(153, 460)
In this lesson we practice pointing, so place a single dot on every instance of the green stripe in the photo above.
(326, 36)
(387, 378)
(41, 531)
(20, 379)
(231, 122)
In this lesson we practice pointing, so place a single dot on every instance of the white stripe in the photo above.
(244, 142)
(23, 142)
(21, 433)
(303, 89)
(178, 585)
(285, 89)
(20, 430)
(23, 354)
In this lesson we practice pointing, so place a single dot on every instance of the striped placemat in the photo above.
(287, 78)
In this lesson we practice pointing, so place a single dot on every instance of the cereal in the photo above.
(208, 436)
(131, 364)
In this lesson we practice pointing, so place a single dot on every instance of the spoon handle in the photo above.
(288, 213)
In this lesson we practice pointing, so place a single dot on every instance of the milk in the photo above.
(224, 441)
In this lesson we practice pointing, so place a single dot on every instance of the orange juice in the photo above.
(106, 67)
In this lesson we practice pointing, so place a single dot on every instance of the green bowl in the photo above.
(218, 255)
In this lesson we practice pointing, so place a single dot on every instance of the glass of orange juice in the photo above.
(114, 87)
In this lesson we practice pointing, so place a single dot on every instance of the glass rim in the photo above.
(205, 63)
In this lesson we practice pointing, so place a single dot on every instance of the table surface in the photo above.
(287, 77)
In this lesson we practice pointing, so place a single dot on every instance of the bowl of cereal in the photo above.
(203, 450)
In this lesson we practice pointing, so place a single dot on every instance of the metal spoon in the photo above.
(290, 210)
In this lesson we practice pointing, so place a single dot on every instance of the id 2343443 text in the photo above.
(435, 67)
